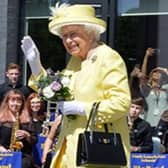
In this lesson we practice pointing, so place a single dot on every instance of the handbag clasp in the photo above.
(104, 140)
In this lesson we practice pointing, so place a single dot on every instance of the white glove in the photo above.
(71, 107)
(32, 54)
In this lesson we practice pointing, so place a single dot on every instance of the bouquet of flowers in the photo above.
(54, 87)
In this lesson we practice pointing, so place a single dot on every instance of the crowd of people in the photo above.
(137, 108)
(153, 88)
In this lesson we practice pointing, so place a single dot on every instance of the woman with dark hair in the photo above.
(154, 89)
(16, 126)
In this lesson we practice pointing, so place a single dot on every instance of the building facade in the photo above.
(132, 26)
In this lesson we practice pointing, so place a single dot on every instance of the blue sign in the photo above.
(141, 160)
(10, 159)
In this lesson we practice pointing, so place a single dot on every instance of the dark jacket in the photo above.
(162, 133)
(5, 140)
(7, 86)
(5, 134)
(141, 136)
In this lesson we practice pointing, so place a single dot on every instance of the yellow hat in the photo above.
(75, 14)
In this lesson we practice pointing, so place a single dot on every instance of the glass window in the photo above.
(52, 51)
(38, 8)
(142, 7)
(141, 24)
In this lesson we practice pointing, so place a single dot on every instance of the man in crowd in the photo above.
(13, 81)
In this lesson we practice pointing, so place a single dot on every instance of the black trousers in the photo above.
(27, 161)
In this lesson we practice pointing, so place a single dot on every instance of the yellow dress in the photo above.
(101, 77)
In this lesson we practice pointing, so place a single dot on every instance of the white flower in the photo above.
(48, 92)
(65, 80)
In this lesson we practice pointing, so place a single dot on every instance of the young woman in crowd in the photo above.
(36, 109)
(154, 90)
(153, 87)
(16, 128)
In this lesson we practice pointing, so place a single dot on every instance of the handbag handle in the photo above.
(92, 112)
(91, 119)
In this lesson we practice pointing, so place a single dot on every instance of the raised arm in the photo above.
(32, 54)
(149, 53)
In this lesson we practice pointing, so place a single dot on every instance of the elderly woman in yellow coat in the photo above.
(98, 74)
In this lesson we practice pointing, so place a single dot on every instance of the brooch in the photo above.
(94, 58)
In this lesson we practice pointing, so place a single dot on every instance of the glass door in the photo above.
(52, 51)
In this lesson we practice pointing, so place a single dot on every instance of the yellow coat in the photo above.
(101, 77)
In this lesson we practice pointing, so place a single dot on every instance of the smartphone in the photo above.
(156, 51)
(137, 65)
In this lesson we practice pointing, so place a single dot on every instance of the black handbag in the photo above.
(102, 149)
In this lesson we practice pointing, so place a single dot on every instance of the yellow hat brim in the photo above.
(56, 24)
